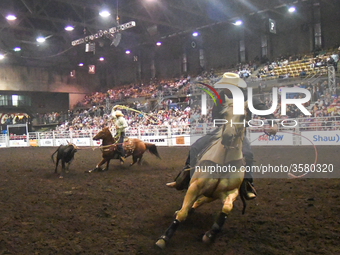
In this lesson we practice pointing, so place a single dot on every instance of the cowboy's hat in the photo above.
(113, 113)
(118, 113)
(231, 79)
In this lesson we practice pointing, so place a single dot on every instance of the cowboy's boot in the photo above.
(121, 155)
(250, 189)
(182, 180)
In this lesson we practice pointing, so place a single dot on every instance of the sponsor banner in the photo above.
(97, 142)
(33, 142)
(157, 140)
(181, 140)
(46, 142)
(17, 143)
(2, 145)
(82, 141)
(278, 139)
(61, 141)
(321, 137)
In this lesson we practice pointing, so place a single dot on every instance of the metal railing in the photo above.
(168, 135)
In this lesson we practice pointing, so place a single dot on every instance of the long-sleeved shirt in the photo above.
(121, 124)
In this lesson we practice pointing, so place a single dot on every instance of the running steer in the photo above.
(65, 154)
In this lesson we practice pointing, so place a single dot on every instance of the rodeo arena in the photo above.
(170, 127)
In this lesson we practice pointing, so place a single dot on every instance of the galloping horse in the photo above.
(134, 147)
(224, 150)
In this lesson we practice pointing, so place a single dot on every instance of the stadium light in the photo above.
(105, 13)
(41, 39)
(11, 17)
(158, 43)
(238, 23)
(292, 9)
(2, 56)
(101, 59)
(127, 52)
(195, 34)
(69, 28)
(80, 64)
(16, 49)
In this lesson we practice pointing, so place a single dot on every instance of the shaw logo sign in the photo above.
(329, 137)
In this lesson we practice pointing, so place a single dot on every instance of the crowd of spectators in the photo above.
(325, 109)
(94, 111)
(182, 116)
(152, 90)
(322, 59)
(174, 117)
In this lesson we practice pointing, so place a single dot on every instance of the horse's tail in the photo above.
(243, 194)
(152, 149)
(55, 153)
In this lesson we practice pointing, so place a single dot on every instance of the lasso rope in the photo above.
(134, 110)
(290, 175)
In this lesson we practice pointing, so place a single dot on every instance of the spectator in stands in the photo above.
(336, 60)
(303, 73)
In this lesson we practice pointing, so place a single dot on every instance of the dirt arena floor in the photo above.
(125, 210)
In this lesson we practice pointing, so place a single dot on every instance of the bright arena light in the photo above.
(69, 28)
(105, 14)
(11, 17)
(41, 39)
(2, 56)
(292, 9)
(80, 64)
(238, 23)
(101, 59)
(127, 52)
(17, 49)
(195, 34)
(158, 43)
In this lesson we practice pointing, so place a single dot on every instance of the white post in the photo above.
(169, 136)
(91, 140)
(53, 136)
(204, 128)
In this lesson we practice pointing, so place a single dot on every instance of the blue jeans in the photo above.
(120, 148)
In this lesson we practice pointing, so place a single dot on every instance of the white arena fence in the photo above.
(319, 131)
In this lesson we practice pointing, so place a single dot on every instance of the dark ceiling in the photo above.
(155, 20)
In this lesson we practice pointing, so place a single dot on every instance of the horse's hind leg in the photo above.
(202, 200)
(217, 226)
(140, 160)
(182, 214)
(134, 160)
(198, 203)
